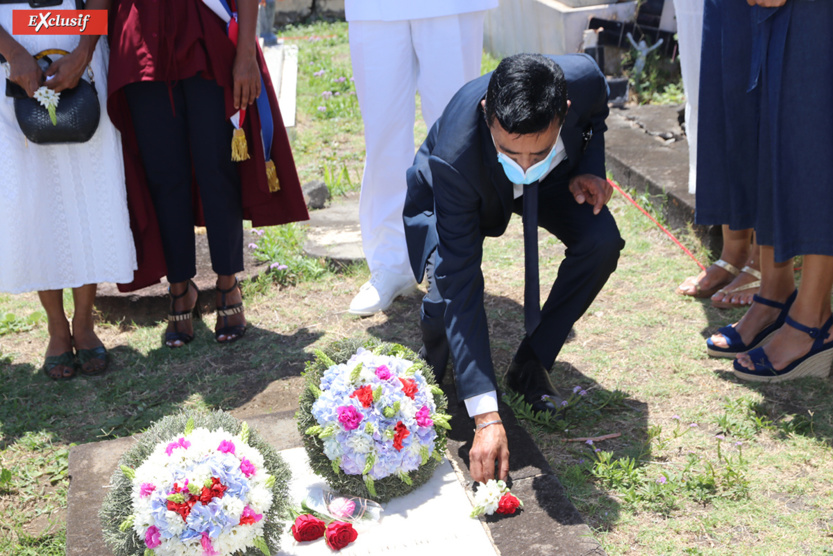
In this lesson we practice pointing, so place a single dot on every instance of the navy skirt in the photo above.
(793, 48)
(727, 159)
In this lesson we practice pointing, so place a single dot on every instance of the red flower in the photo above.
(308, 528)
(217, 488)
(339, 535)
(364, 395)
(182, 509)
(402, 433)
(508, 504)
(409, 387)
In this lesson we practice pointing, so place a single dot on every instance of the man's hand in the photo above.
(591, 189)
(489, 444)
(24, 71)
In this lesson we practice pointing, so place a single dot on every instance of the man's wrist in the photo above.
(486, 417)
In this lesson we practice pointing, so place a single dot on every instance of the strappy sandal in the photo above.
(755, 284)
(66, 359)
(816, 363)
(695, 281)
(176, 317)
(86, 356)
(231, 332)
(734, 342)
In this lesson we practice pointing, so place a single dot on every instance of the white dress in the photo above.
(63, 208)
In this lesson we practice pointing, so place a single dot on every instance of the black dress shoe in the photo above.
(527, 376)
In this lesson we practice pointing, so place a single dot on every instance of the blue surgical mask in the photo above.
(534, 173)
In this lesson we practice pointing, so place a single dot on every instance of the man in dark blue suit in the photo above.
(529, 139)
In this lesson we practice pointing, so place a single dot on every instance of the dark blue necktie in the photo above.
(532, 300)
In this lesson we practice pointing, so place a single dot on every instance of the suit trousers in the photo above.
(593, 244)
(182, 133)
(391, 61)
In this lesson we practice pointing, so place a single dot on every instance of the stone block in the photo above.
(316, 194)
(545, 26)
(329, 8)
(291, 11)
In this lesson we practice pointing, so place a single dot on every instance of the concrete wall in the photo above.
(545, 26)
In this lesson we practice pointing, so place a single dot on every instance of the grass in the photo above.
(662, 486)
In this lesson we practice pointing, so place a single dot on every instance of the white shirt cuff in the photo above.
(482, 403)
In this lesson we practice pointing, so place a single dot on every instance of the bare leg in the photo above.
(735, 252)
(224, 282)
(83, 327)
(777, 284)
(811, 308)
(738, 293)
(60, 338)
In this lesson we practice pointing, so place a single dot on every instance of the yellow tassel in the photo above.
(239, 147)
(272, 177)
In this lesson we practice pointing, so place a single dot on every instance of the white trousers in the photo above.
(690, 38)
(391, 61)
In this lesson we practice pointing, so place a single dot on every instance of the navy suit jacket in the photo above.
(458, 194)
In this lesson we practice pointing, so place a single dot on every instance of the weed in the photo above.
(11, 323)
(338, 181)
(282, 247)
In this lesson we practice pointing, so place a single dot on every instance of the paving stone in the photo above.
(316, 194)
(334, 232)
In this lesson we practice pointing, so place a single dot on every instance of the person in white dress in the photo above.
(398, 47)
(63, 208)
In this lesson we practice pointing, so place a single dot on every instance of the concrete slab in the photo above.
(548, 525)
(334, 232)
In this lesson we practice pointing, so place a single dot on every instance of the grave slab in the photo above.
(334, 232)
(549, 523)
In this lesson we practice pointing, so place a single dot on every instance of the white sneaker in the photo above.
(378, 293)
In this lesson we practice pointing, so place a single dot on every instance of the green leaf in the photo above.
(388, 412)
(328, 432)
(405, 478)
(437, 456)
(244, 432)
(436, 390)
(477, 512)
(377, 394)
(128, 472)
(324, 358)
(6, 475)
(260, 544)
(194, 489)
(336, 463)
(389, 434)
(53, 117)
(126, 524)
(368, 428)
(357, 371)
(270, 481)
(424, 454)
(411, 371)
(371, 487)
(189, 426)
(396, 406)
(177, 498)
(368, 465)
(316, 391)
(149, 552)
(314, 430)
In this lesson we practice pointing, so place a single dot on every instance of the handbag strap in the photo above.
(62, 52)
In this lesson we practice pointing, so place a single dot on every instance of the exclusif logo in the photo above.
(59, 22)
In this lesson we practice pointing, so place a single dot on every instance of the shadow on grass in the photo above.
(141, 388)
(533, 453)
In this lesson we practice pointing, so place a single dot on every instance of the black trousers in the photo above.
(593, 244)
(180, 127)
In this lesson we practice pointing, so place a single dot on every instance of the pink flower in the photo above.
(146, 489)
(253, 246)
(382, 372)
(152, 539)
(207, 547)
(349, 417)
(226, 446)
(181, 443)
(249, 516)
(247, 467)
(423, 417)
(342, 507)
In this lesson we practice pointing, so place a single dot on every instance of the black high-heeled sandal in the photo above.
(178, 316)
(231, 332)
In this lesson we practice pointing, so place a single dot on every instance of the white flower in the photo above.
(47, 97)
(488, 496)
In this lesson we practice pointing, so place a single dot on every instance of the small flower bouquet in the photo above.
(494, 497)
(374, 424)
(200, 484)
(49, 100)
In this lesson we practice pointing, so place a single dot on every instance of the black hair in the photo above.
(526, 93)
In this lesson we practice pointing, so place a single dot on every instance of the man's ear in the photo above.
(483, 104)
(568, 104)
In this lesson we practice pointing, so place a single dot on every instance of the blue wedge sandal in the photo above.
(816, 363)
(733, 339)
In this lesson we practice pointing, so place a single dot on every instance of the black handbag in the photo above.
(77, 114)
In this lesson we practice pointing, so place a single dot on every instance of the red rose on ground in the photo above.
(339, 535)
(364, 395)
(508, 504)
(409, 387)
(402, 433)
(308, 528)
